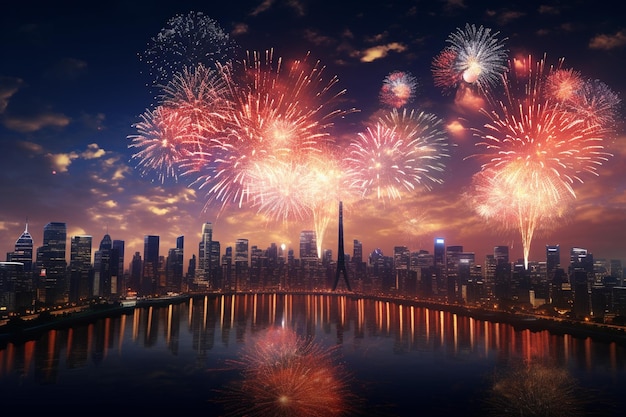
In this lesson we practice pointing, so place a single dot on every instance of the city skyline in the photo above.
(439, 246)
(69, 100)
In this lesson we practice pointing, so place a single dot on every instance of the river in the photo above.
(296, 355)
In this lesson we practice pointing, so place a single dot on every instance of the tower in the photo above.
(341, 262)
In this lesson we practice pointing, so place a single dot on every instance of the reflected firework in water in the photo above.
(535, 390)
(286, 375)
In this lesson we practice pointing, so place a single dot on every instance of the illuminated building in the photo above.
(23, 251)
(80, 267)
(51, 265)
(102, 268)
(150, 274)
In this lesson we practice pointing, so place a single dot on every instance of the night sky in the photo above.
(72, 86)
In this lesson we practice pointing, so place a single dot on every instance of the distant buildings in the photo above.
(584, 287)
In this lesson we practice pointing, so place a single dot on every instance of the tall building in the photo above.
(241, 263)
(439, 268)
(553, 260)
(308, 245)
(102, 268)
(52, 264)
(150, 274)
(80, 268)
(174, 266)
(23, 251)
(136, 272)
(208, 272)
(118, 278)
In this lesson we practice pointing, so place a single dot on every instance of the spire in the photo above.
(341, 261)
(26, 229)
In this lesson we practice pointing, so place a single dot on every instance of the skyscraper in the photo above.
(118, 281)
(341, 261)
(241, 263)
(174, 266)
(308, 245)
(23, 251)
(80, 268)
(102, 268)
(150, 275)
(553, 260)
(208, 266)
(51, 263)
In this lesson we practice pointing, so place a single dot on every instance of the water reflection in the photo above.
(282, 374)
(206, 334)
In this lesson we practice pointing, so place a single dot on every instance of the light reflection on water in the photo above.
(401, 359)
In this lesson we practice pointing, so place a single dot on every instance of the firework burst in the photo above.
(281, 113)
(536, 390)
(536, 150)
(474, 56)
(187, 40)
(284, 375)
(398, 89)
(401, 152)
(163, 140)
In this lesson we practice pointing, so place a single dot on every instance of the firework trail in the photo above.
(401, 152)
(474, 56)
(537, 147)
(187, 40)
(398, 89)
(520, 197)
(284, 375)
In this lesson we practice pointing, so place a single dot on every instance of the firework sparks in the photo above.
(187, 40)
(402, 152)
(474, 56)
(162, 141)
(284, 375)
(536, 151)
(280, 114)
(535, 390)
(520, 197)
(398, 89)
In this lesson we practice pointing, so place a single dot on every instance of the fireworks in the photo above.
(279, 115)
(398, 89)
(535, 390)
(284, 375)
(475, 56)
(520, 197)
(402, 152)
(187, 40)
(537, 149)
(164, 139)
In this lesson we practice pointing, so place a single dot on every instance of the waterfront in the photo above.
(395, 359)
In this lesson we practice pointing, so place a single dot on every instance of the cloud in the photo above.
(93, 151)
(37, 122)
(317, 39)
(239, 29)
(8, 87)
(607, 42)
(61, 161)
(264, 6)
(381, 51)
